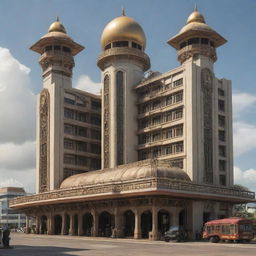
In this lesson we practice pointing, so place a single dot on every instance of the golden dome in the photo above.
(195, 16)
(56, 26)
(123, 28)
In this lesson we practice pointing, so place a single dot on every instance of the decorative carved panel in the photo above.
(206, 84)
(120, 117)
(106, 117)
(44, 141)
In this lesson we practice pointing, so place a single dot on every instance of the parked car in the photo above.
(176, 233)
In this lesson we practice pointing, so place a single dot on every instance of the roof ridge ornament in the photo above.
(195, 8)
(123, 11)
(57, 18)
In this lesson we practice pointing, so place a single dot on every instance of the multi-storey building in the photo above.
(8, 216)
(166, 154)
(68, 119)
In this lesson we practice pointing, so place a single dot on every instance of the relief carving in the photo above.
(44, 141)
(206, 85)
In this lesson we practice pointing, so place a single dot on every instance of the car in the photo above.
(176, 233)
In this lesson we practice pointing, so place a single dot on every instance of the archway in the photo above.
(75, 224)
(57, 224)
(146, 224)
(106, 223)
(43, 225)
(67, 218)
(129, 223)
(163, 221)
(87, 224)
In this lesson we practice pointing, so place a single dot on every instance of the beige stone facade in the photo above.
(166, 147)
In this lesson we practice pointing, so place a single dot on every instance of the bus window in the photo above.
(232, 229)
(208, 229)
(222, 229)
(212, 229)
(245, 227)
(217, 228)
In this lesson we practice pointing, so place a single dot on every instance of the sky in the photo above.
(22, 23)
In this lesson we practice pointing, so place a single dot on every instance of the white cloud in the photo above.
(21, 156)
(17, 102)
(86, 84)
(242, 102)
(244, 137)
(10, 182)
(246, 178)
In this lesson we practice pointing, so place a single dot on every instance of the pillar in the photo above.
(118, 225)
(71, 226)
(95, 223)
(137, 228)
(50, 222)
(154, 233)
(27, 225)
(64, 223)
(80, 230)
(38, 225)
(175, 216)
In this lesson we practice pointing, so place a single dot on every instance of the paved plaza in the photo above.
(41, 245)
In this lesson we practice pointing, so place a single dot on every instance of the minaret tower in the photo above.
(207, 101)
(123, 63)
(56, 51)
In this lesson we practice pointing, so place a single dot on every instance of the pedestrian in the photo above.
(6, 237)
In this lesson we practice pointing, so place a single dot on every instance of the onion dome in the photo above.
(56, 26)
(123, 28)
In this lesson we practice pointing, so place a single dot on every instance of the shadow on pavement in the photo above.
(25, 250)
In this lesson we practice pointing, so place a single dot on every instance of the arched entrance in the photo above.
(57, 224)
(146, 224)
(43, 225)
(87, 224)
(106, 223)
(75, 224)
(163, 221)
(129, 223)
(67, 218)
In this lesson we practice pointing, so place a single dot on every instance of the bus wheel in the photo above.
(214, 239)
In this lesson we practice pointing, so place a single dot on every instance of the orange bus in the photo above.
(232, 229)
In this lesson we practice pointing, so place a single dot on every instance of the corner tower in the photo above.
(123, 63)
(207, 104)
(56, 51)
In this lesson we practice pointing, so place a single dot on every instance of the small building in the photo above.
(8, 216)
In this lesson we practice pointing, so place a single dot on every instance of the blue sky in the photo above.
(22, 23)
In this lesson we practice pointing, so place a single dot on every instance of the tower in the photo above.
(207, 103)
(123, 63)
(56, 51)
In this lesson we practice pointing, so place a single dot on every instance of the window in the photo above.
(82, 146)
(169, 133)
(221, 121)
(95, 149)
(95, 120)
(135, 45)
(68, 144)
(221, 92)
(178, 83)
(178, 97)
(81, 160)
(193, 41)
(156, 136)
(156, 120)
(156, 104)
(68, 113)
(183, 44)
(57, 47)
(222, 151)
(120, 44)
(178, 147)
(204, 41)
(177, 114)
(222, 165)
(81, 117)
(156, 152)
(179, 131)
(69, 129)
(177, 163)
(66, 49)
(82, 131)
(222, 136)
(69, 159)
(221, 105)
(95, 134)
(223, 180)
(48, 48)
(108, 47)
(96, 105)
(69, 101)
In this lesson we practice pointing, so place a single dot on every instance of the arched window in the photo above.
(120, 116)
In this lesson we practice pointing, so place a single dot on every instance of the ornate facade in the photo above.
(166, 154)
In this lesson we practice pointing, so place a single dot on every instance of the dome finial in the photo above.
(123, 11)
(57, 18)
(195, 9)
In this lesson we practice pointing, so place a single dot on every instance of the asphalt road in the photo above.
(42, 245)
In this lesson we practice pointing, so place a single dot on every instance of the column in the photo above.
(137, 228)
(80, 225)
(118, 225)
(64, 224)
(37, 225)
(154, 233)
(175, 216)
(71, 227)
(27, 225)
(50, 222)
(95, 223)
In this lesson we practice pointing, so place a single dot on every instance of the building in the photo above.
(8, 216)
(166, 138)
